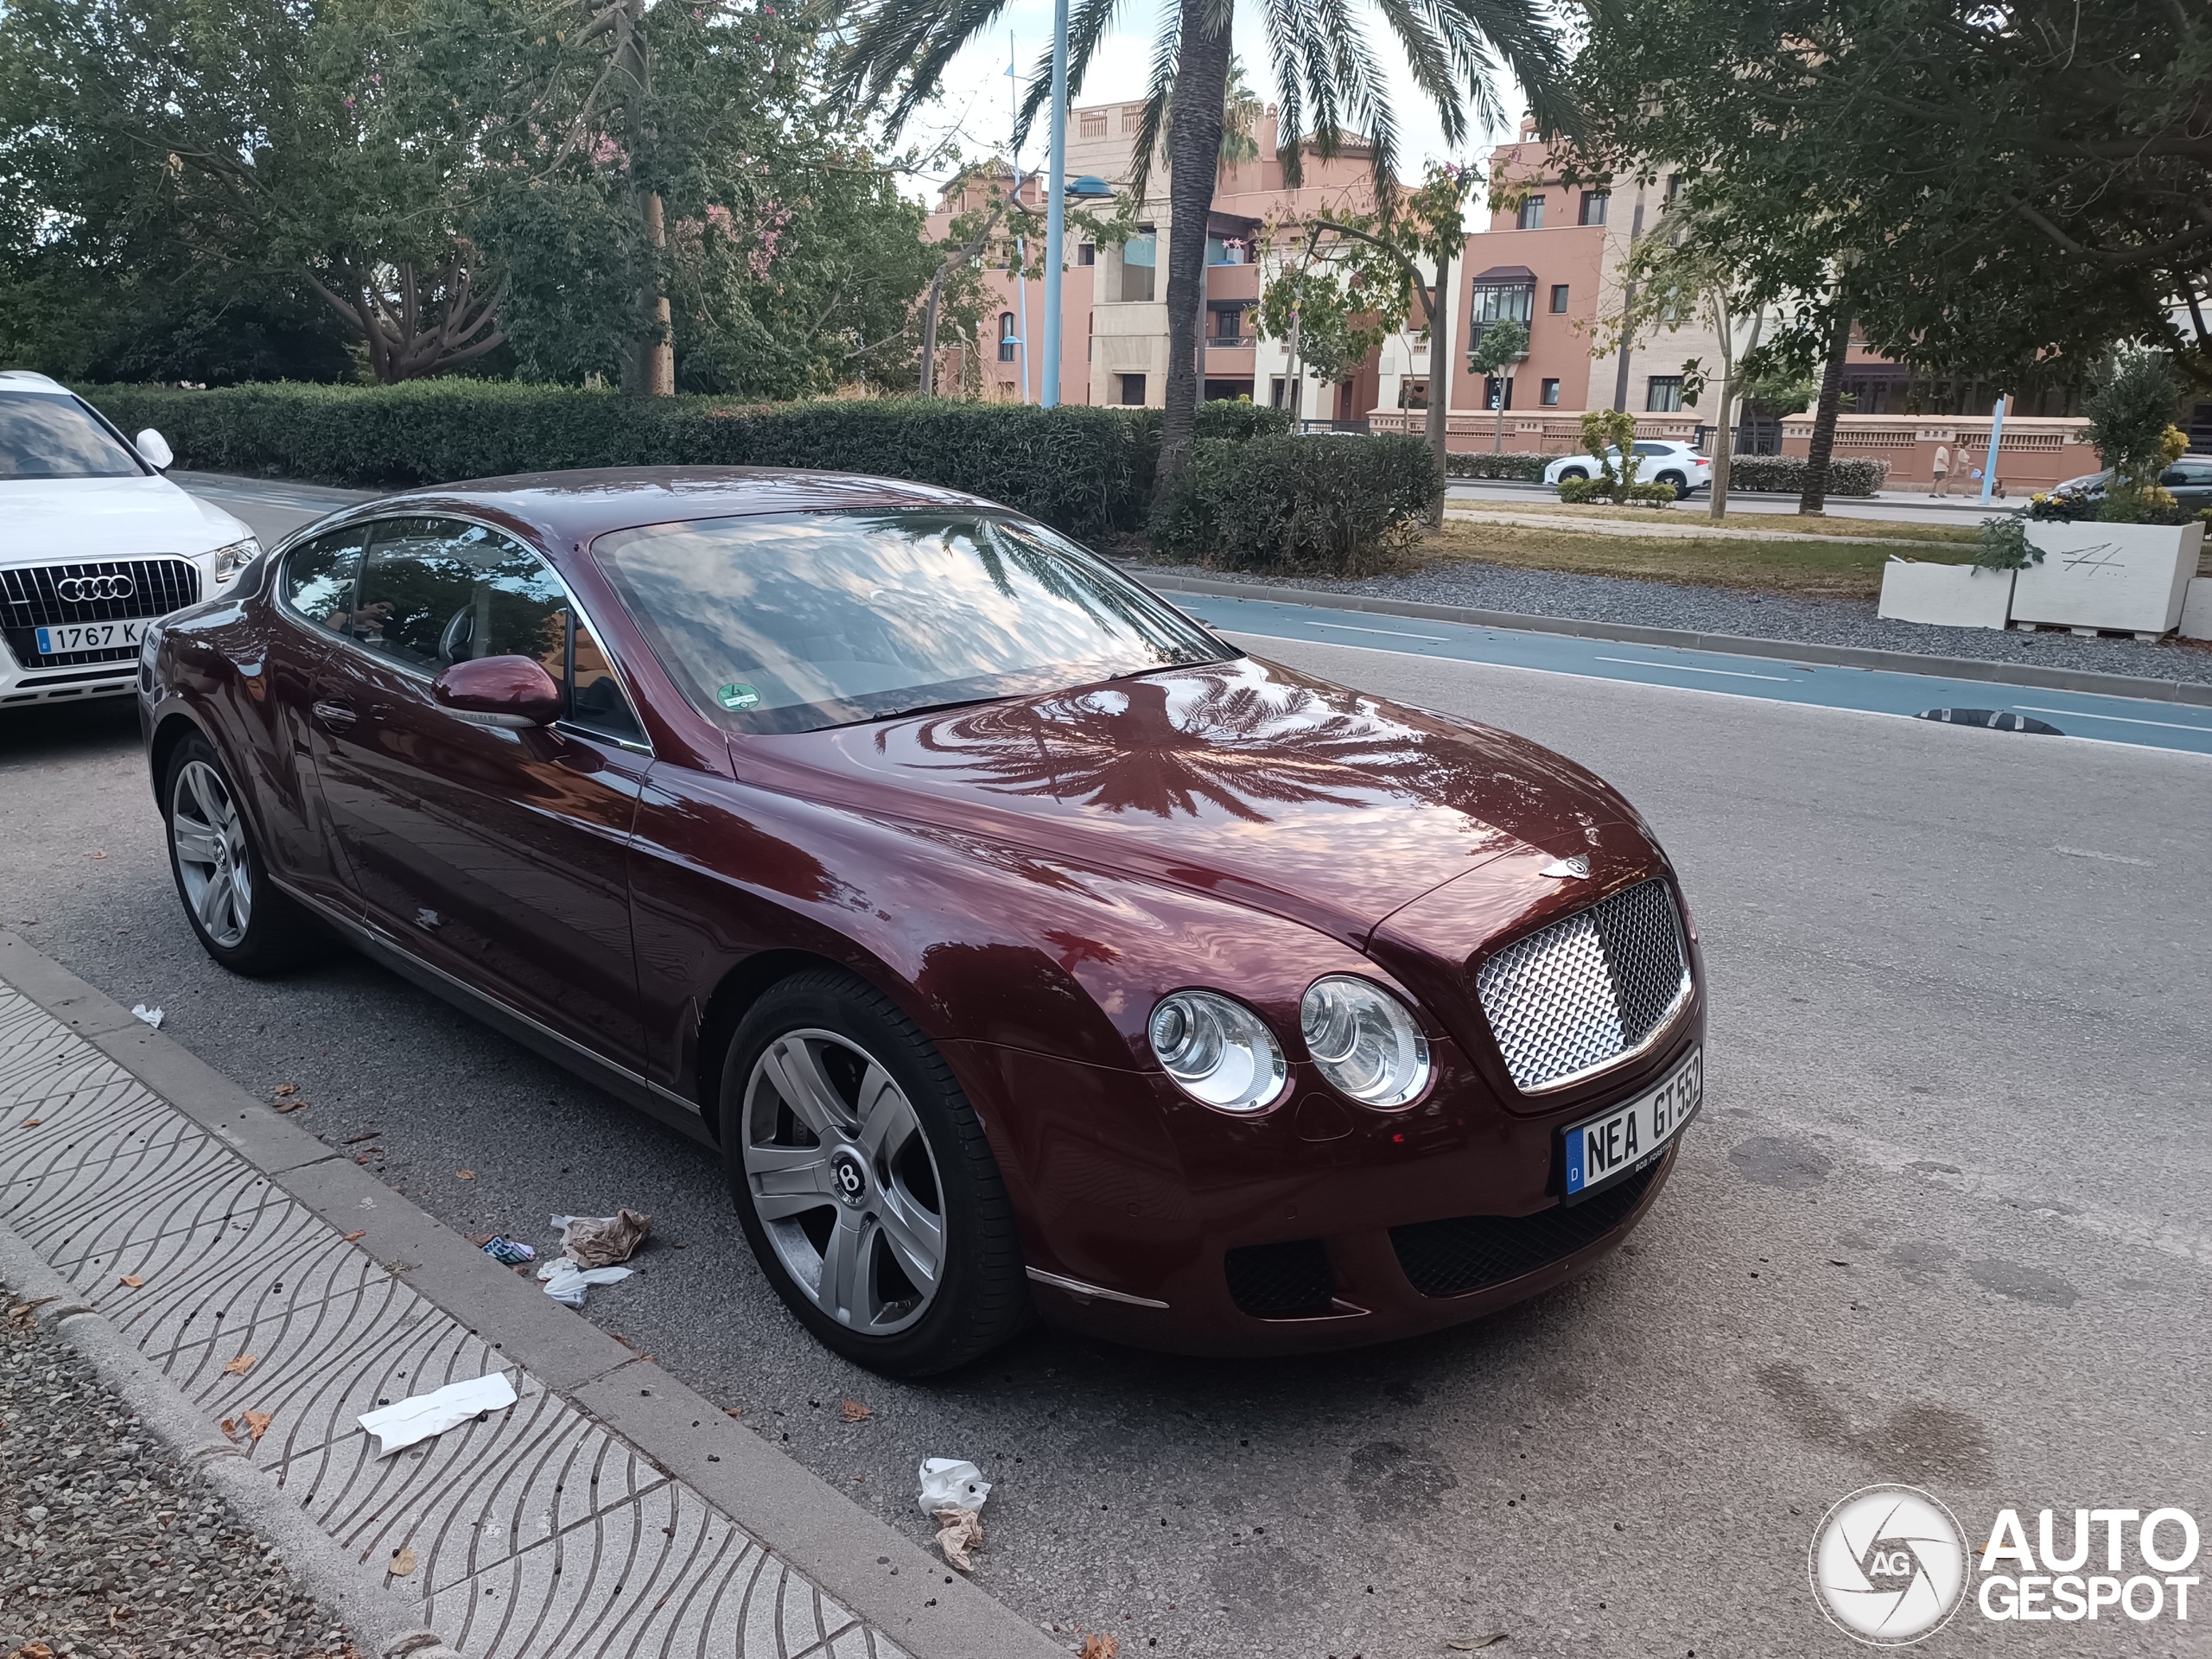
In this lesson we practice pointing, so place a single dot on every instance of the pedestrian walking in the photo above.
(1942, 471)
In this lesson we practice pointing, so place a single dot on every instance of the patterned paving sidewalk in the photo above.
(536, 1532)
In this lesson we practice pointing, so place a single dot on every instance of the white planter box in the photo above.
(2096, 575)
(1947, 595)
(2196, 609)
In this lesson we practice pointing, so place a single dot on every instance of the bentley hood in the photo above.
(1244, 779)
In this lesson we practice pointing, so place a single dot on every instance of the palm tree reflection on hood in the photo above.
(1235, 739)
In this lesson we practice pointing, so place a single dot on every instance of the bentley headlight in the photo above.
(1366, 1042)
(1218, 1051)
(229, 561)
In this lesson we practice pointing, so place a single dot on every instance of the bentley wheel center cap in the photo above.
(848, 1179)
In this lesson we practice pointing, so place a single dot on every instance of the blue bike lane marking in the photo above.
(2076, 714)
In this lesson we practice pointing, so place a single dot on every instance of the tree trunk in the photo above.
(649, 359)
(1723, 448)
(1814, 502)
(929, 336)
(1193, 160)
(1437, 427)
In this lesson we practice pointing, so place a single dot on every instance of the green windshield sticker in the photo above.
(740, 696)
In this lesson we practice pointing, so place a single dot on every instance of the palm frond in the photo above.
(1156, 97)
(1087, 26)
(901, 49)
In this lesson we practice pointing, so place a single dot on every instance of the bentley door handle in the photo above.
(335, 714)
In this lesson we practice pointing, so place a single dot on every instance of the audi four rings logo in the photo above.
(76, 590)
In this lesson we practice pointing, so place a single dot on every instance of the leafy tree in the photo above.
(1500, 345)
(2131, 410)
(1359, 280)
(1324, 67)
(2003, 191)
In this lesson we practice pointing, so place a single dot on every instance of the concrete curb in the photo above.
(347, 1588)
(2195, 693)
(877, 1572)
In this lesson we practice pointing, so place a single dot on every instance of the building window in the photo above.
(1086, 253)
(1594, 203)
(1133, 390)
(1492, 387)
(1663, 394)
(1139, 255)
(1008, 337)
(1559, 299)
(1227, 322)
(1091, 124)
(1674, 188)
(1532, 213)
(1132, 118)
(1501, 302)
(1551, 394)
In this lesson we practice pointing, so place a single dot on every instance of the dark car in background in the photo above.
(2189, 480)
(1021, 944)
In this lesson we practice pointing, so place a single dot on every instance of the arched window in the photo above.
(1008, 338)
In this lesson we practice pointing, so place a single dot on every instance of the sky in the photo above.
(973, 110)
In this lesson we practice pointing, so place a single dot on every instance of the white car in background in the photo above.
(94, 545)
(1658, 461)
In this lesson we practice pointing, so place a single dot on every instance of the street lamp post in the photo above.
(1055, 209)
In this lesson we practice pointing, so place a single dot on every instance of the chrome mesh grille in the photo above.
(1588, 989)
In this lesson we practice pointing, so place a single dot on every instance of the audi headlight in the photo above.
(1366, 1042)
(1218, 1051)
(229, 561)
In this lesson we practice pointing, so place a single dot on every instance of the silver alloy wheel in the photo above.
(211, 857)
(844, 1181)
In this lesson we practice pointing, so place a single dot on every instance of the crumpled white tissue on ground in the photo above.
(601, 1240)
(151, 1016)
(565, 1282)
(951, 1483)
(419, 1416)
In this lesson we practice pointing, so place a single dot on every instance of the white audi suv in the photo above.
(94, 545)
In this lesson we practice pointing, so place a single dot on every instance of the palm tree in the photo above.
(1324, 65)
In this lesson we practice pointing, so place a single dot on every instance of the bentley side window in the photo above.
(438, 591)
(596, 701)
(320, 577)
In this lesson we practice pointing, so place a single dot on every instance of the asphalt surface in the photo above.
(1943, 1220)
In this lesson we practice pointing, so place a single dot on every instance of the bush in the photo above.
(1785, 474)
(1319, 505)
(1576, 492)
(2003, 544)
(1240, 418)
(1085, 471)
(1512, 463)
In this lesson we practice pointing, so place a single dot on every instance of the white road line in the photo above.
(1684, 667)
(2125, 720)
(1347, 627)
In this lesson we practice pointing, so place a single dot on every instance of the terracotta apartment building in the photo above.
(1550, 257)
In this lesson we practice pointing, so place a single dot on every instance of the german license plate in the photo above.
(68, 636)
(1622, 1139)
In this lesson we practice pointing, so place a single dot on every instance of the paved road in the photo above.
(1945, 1218)
(1898, 507)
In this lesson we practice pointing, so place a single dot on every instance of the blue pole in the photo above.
(1989, 466)
(1055, 211)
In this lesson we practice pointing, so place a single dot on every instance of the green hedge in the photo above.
(1847, 475)
(1512, 463)
(1240, 417)
(1322, 504)
(1085, 470)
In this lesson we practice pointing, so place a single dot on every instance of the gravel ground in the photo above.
(109, 1548)
(1723, 610)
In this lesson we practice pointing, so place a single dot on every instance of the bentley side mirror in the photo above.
(156, 450)
(510, 691)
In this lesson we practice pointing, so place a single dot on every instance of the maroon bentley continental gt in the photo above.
(1023, 946)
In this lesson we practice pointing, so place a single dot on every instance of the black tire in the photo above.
(1680, 484)
(1572, 472)
(980, 1297)
(276, 933)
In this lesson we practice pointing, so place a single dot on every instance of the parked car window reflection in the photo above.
(790, 622)
(320, 577)
(595, 699)
(438, 591)
(45, 436)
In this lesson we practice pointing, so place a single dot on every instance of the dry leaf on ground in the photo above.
(962, 1531)
(256, 1423)
(733, 1411)
(130, 1281)
(403, 1562)
(1101, 1647)
(1472, 1643)
(466, 1174)
(33, 1122)
(291, 1106)
(853, 1412)
(285, 1089)
(33, 1650)
(357, 1233)
(239, 1366)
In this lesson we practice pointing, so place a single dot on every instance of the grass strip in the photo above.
(1808, 565)
(1694, 512)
